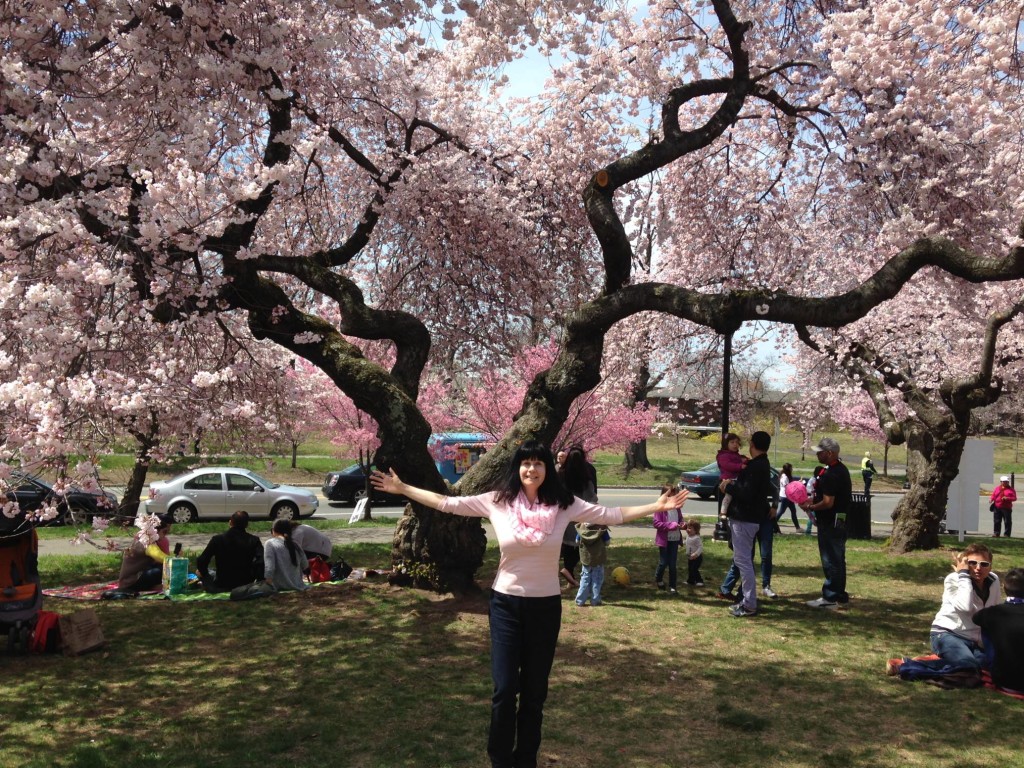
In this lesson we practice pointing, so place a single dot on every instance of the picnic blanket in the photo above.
(95, 591)
(86, 591)
(911, 670)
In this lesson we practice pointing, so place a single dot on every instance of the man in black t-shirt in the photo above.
(832, 495)
(237, 553)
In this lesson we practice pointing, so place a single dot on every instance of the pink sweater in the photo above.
(528, 571)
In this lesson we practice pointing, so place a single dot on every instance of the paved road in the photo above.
(882, 506)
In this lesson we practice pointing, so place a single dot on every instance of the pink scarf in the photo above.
(531, 523)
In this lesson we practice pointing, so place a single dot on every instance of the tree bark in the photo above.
(933, 461)
(636, 457)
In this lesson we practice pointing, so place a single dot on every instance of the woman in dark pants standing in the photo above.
(529, 511)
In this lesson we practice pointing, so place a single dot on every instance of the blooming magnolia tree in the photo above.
(346, 175)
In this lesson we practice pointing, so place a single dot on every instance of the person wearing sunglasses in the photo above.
(970, 587)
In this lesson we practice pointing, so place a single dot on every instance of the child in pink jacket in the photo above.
(730, 463)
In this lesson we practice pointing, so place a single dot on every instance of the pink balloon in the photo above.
(796, 492)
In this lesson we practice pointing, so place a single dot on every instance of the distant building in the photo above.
(681, 405)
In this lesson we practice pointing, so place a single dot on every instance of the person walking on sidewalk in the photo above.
(1002, 499)
(751, 506)
(833, 492)
(867, 471)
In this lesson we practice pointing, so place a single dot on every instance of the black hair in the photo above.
(761, 440)
(551, 491)
(787, 470)
(729, 438)
(240, 519)
(1013, 582)
(284, 528)
(573, 472)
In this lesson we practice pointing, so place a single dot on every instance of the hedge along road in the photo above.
(882, 506)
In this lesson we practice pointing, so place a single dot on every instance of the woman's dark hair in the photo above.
(729, 438)
(551, 491)
(574, 473)
(284, 528)
(787, 470)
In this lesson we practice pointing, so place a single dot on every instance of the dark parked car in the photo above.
(74, 505)
(704, 481)
(347, 486)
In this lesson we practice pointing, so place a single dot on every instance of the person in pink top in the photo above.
(1002, 499)
(730, 463)
(528, 511)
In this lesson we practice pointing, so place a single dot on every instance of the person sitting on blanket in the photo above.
(238, 556)
(283, 561)
(955, 638)
(143, 564)
(313, 542)
(1002, 627)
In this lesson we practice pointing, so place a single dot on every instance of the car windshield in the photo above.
(21, 478)
(262, 481)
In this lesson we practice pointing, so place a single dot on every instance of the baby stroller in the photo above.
(21, 595)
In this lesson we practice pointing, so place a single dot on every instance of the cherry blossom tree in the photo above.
(346, 175)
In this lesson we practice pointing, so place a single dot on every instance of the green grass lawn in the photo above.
(363, 675)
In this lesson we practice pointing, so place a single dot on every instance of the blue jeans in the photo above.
(524, 633)
(832, 548)
(668, 556)
(743, 535)
(591, 581)
(693, 570)
(957, 652)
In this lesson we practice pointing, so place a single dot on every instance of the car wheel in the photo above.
(73, 516)
(357, 495)
(182, 513)
(285, 511)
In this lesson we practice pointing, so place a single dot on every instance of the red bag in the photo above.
(46, 636)
(319, 570)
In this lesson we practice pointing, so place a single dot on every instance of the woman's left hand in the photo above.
(669, 501)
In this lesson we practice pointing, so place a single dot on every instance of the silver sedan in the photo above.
(218, 492)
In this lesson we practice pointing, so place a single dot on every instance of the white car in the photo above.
(218, 492)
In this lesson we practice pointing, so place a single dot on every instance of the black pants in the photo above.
(524, 633)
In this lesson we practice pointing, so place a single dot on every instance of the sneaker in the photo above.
(595, 603)
(661, 584)
(725, 596)
(739, 612)
(672, 592)
(699, 584)
(580, 604)
(821, 602)
(769, 592)
(892, 667)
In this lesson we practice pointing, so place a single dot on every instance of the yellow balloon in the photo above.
(620, 576)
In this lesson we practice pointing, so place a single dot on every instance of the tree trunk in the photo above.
(933, 461)
(438, 551)
(129, 507)
(295, 454)
(636, 457)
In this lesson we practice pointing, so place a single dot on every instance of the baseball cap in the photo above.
(1004, 479)
(826, 444)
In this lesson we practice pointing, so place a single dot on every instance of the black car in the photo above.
(704, 481)
(348, 486)
(74, 505)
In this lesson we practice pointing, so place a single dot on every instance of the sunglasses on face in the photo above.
(979, 564)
